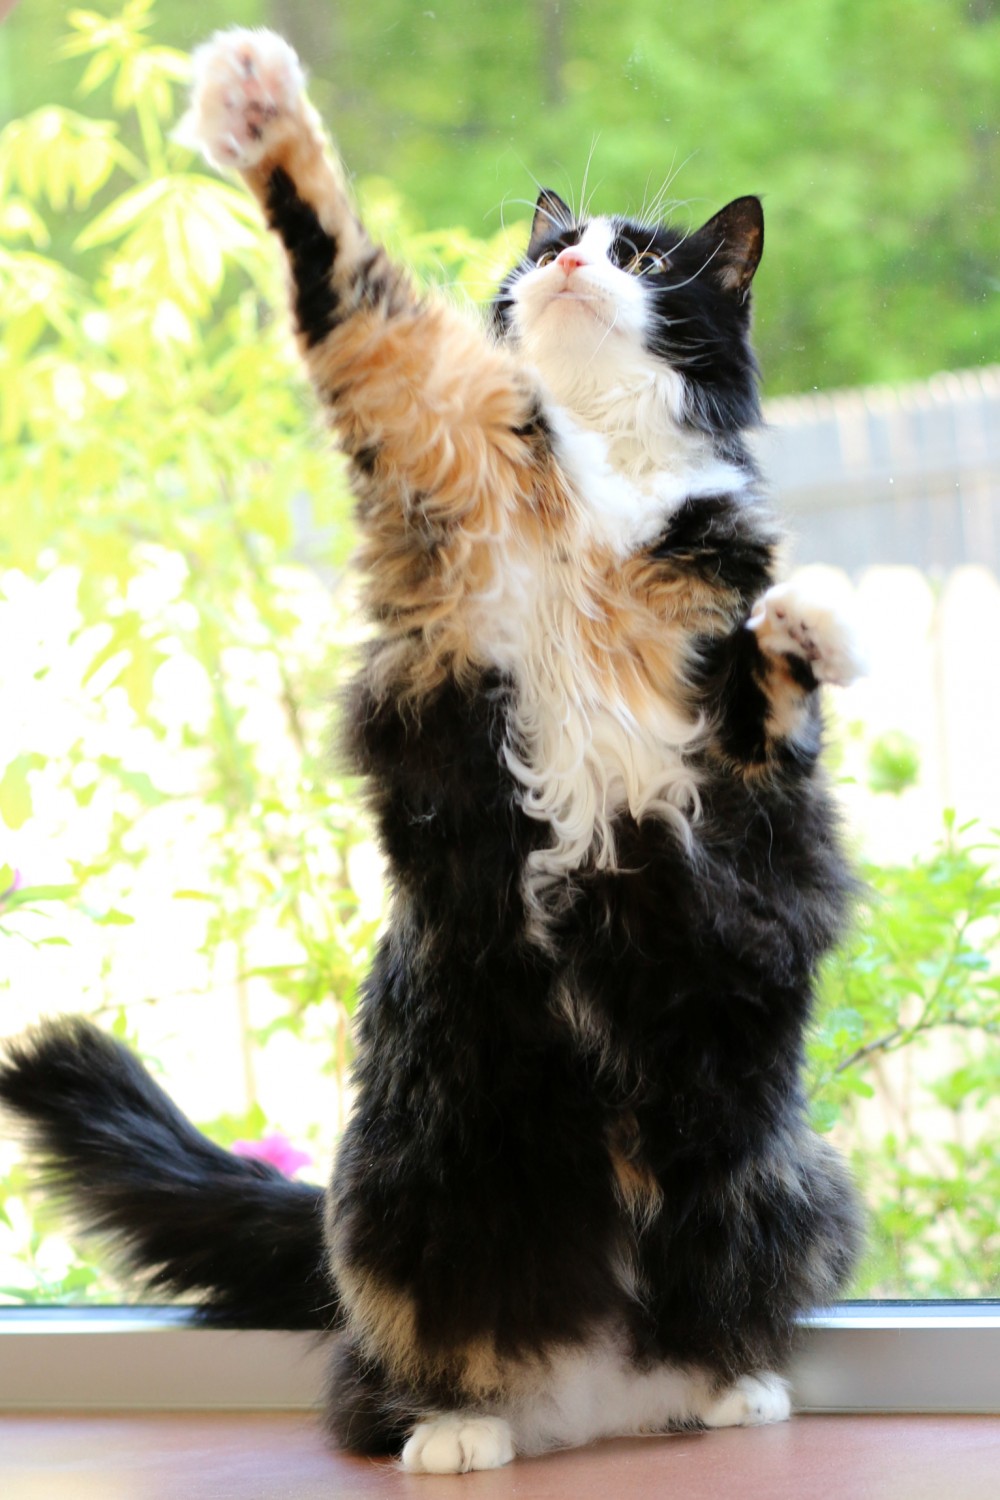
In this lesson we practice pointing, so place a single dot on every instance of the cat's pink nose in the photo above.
(570, 259)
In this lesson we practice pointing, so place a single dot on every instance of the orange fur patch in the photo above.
(637, 1188)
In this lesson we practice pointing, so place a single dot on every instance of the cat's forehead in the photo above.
(644, 236)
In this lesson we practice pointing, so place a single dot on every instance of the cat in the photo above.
(578, 1196)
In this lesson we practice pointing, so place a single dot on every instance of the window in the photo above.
(176, 858)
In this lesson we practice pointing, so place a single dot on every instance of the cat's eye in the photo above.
(647, 261)
(546, 258)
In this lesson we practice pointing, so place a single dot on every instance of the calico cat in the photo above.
(578, 1196)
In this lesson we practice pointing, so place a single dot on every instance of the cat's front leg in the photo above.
(763, 677)
(448, 453)
(249, 113)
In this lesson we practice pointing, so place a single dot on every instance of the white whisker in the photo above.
(584, 198)
(680, 285)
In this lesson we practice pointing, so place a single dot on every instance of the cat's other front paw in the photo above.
(811, 617)
(247, 91)
(458, 1443)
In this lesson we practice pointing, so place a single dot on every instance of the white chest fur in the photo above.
(586, 744)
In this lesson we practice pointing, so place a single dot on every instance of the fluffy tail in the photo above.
(189, 1218)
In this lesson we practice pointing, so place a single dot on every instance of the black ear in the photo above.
(734, 238)
(551, 215)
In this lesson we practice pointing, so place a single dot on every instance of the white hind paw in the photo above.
(752, 1401)
(247, 90)
(810, 618)
(456, 1444)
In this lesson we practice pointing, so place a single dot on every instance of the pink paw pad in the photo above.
(246, 84)
(812, 624)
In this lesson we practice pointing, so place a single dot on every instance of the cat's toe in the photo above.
(457, 1444)
(247, 86)
(753, 1401)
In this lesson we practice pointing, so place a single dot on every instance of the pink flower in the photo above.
(276, 1149)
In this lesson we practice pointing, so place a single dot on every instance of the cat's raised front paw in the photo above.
(752, 1401)
(810, 617)
(247, 89)
(455, 1444)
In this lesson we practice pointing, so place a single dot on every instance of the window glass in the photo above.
(177, 857)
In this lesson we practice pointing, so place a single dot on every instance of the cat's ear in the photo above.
(734, 239)
(551, 215)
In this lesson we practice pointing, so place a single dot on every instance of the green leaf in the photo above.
(15, 790)
(124, 213)
(33, 893)
(893, 763)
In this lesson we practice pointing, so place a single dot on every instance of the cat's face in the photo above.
(607, 303)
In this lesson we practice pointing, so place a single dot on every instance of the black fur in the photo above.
(312, 253)
(190, 1219)
(478, 1149)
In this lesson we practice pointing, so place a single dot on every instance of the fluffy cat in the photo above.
(578, 1196)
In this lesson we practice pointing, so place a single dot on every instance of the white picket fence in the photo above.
(899, 487)
(934, 677)
(906, 474)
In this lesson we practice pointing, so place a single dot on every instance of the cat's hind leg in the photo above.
(599, 1392)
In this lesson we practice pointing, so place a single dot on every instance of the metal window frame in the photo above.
(858, 1357)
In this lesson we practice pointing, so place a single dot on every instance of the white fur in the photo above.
(594, 1393)
(458, 1443)
(586, 1395)
(751, 1402)
(246, 85)
(577, 749)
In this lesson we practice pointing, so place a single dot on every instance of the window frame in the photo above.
(857, 1357)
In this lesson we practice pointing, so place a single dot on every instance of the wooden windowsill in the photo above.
(281, 1456)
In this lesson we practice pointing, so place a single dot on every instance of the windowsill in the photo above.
(231, 1456)
(860, 1357)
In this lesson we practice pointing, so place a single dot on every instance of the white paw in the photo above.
(752, 1401)
(247, 88)
(810, 617)
(456, 1444)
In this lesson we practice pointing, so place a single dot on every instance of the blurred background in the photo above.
(179, 855)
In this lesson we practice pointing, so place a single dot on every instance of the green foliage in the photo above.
(172, 549)
(904, 1056)
(173, 541)
(868, 126)
(893, 763)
